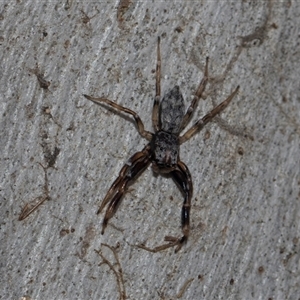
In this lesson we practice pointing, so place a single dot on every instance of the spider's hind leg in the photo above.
(187, 117)
(207, 118)
(130, 171)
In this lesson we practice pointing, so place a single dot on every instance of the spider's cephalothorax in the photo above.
(165, 151)
(169, 119)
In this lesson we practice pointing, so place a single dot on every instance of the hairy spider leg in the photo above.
(155, 111)
(141, 129)
(207, 118)
(182, 177)
(130, 171)
(118, 182)
(197, 96)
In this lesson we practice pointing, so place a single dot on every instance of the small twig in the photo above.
(184, 288)
(118, 273)
(29, 209)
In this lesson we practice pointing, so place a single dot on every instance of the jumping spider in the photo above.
(169, 119)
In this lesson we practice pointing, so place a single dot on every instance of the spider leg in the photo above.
(130, 171)
(183, 179)
(144, 133)
(155, 111)
(200, 90)
(207, 118)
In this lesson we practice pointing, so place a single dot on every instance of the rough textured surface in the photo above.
(245, 217)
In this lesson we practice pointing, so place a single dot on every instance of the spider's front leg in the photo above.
(140, 126)
(130, 171)
(183, 179)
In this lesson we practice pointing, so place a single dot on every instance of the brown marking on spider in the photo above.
(169, 119)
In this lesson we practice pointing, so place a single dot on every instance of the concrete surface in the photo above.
(245, 218)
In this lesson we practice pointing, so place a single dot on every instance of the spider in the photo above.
(169, 119)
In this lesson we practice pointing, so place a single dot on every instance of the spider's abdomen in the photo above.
(172, 111)
(165, 151)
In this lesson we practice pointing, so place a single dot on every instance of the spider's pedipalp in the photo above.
(141, 129)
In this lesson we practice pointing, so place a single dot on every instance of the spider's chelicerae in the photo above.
(169, 119)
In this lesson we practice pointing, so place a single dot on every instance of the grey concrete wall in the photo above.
(245, 217)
